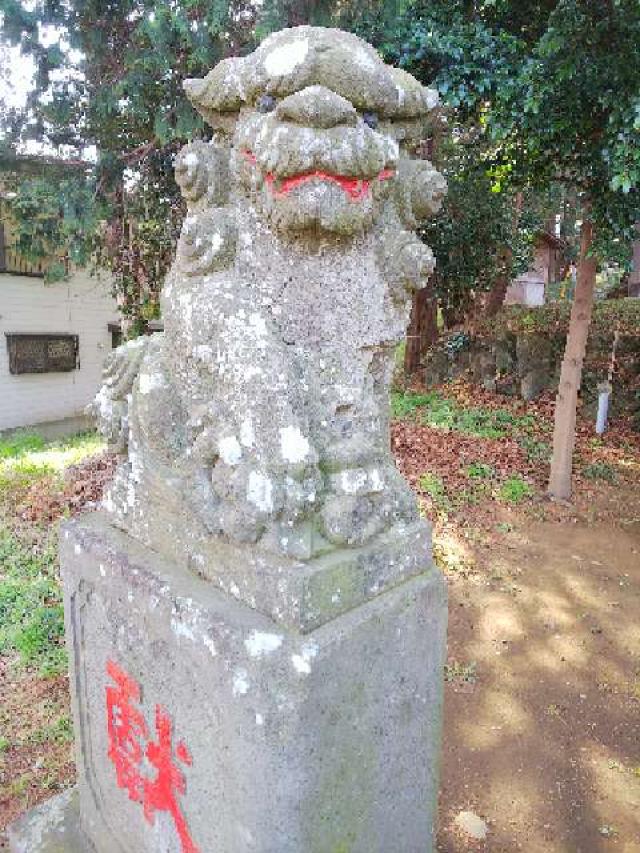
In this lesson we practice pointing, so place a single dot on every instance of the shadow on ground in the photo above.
(542, 735)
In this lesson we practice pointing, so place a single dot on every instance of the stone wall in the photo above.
(524, 359)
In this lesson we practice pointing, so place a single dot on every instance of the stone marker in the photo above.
(255, 626)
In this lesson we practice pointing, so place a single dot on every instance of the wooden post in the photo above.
(564, 433)
(3, 256)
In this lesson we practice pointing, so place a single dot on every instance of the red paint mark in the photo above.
(183, 754)
(129, 742)
(356, 188)
(126, 729)
(385, 174)
(161, 793)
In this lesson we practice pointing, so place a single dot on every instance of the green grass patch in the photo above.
(537, 451)
(31, 614)
(31, 455)
(432, 409)
(446, 500)
(58, 731)
(407, 404)
(26, 458)
(433, 485)
(600, 471)
(19, 444)
(514, 490)
(480, 471)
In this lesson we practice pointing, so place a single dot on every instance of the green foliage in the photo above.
(474, 237)
(600, 471)
(19, 444)
(515, 490)
(456, 343)
(537, 451)
(53, 220)
(60, 730)
(114, 80)
(537, 96)
(461, 53)
(435, 410)
(480, 471)
(571, 112)
(433, 486)
(406, 404)
(483, 237)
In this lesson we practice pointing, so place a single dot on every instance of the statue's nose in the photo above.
(317, 106)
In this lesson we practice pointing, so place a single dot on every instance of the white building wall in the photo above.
(81, 306)
(525, 290)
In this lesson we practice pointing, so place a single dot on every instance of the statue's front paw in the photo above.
(248, 498)
(364, 502)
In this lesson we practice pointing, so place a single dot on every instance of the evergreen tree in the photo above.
(110, 76)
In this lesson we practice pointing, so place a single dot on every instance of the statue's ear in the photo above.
(219, 96)
(222, 90)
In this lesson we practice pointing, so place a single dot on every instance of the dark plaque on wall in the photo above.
(42, 353)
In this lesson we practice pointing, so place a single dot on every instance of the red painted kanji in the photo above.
(127, 731)
(161, 793)
(129, 743)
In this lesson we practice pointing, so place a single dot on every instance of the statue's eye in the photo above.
(266, 104)
(370, 119)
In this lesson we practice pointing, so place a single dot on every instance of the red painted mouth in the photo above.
(355, 188)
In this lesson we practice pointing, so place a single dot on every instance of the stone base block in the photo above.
(51, 827)
(202, 726)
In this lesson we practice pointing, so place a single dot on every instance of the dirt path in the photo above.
(542, 736)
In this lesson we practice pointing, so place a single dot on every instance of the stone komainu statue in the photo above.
(260, 415)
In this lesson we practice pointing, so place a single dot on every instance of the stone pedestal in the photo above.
(202, 725)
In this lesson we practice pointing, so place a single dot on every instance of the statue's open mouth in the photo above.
(355, 188)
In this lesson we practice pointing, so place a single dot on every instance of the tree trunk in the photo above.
(423, 324)
(564, 433)
(423, 328)
(495, 297)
